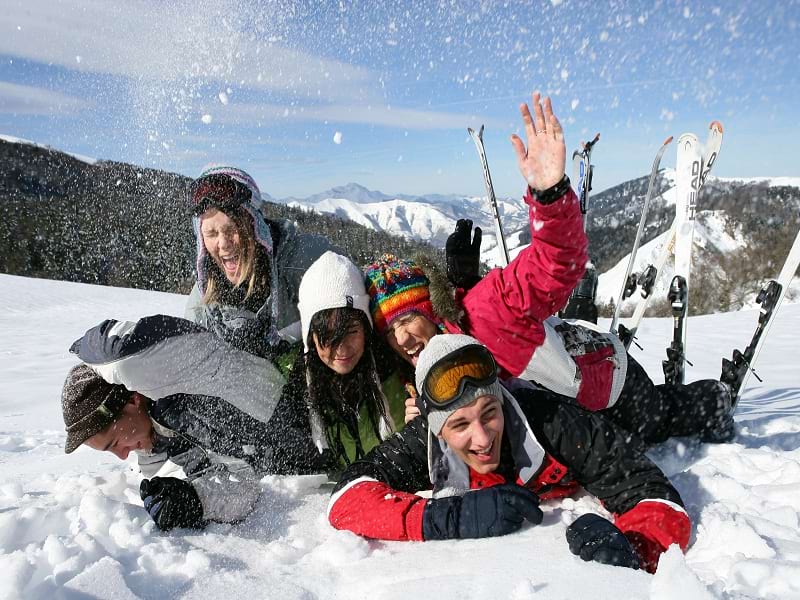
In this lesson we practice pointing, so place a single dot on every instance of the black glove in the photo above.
(463, 251)
(172, 502)
(594, 538)
(489, 512)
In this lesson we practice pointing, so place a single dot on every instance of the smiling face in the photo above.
(133, 430)
(475, 432)
(344, 356)
(409, 334)
(226, 243)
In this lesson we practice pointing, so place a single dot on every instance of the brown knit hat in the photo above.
(90, 404)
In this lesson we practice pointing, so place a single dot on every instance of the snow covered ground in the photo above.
(73, 526)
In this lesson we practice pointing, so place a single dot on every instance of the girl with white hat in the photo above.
(348, 409)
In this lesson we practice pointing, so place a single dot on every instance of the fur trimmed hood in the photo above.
(445, 297)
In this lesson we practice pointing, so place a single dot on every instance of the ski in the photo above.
(691, 172)
(581, 303)
(628, 286)
(647, 278)
(582, 171)
(477, 137)
(688, 167)
(737, 371)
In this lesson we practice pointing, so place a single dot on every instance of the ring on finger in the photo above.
(541, 131)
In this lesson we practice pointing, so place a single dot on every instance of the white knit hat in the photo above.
(333, 281)
(438, 347)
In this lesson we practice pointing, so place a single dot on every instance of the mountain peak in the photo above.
(355, 192)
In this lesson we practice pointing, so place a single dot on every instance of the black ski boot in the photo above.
(721, 430)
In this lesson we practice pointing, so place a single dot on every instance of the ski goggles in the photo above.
(216, 191)
(449, 376)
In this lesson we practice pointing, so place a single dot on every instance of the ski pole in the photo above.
(487, 177)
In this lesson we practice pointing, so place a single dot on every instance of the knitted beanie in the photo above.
(438, 347)
(397, 286)
(233, 173)
(90, 404)
(332, 281)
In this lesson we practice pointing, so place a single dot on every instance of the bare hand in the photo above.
(411, 409)
(542, 164)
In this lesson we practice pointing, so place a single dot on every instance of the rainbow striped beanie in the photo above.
(396, 287)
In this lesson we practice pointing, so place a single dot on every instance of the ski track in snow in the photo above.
(73, 526)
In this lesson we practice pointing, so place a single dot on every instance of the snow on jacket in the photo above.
(260, 329)
(376, 497)
(510, 312)
(218, 412)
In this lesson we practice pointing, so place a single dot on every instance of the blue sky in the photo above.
(267, 85)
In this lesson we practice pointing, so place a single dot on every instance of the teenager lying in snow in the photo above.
(490, 456)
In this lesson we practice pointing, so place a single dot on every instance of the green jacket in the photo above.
(395, 395)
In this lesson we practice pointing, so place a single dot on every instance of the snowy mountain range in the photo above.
(723, 233)
(745, 226)
(429, 218)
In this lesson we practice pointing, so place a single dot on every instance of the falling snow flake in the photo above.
(206, 119)
(337, 137)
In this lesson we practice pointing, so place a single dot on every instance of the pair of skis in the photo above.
(646, 280)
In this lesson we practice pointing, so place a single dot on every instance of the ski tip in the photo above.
(667, 141)
(716, 125)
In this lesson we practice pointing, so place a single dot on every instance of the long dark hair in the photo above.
(338, 399)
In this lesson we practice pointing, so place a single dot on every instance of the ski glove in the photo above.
(594, 538)
(489, 512)
(172, 502)
(463, 252)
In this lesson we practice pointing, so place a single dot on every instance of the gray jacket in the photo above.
(218, 412)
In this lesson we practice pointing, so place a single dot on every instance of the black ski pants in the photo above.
(658, 412)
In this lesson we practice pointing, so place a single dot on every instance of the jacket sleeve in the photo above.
(194, 310)
(613, 467)
(228, 488)
(161, 356)
(375, 496)
(506, 308)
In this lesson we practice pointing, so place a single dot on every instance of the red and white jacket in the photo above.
(376, 496)
(510, 312)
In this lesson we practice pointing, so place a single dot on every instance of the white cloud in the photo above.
(404, 118)
(206, 42)
(27, 100)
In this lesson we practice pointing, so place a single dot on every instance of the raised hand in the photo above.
(542, 162)
(463, 254)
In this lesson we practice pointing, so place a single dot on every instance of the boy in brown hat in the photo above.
(171, 391)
